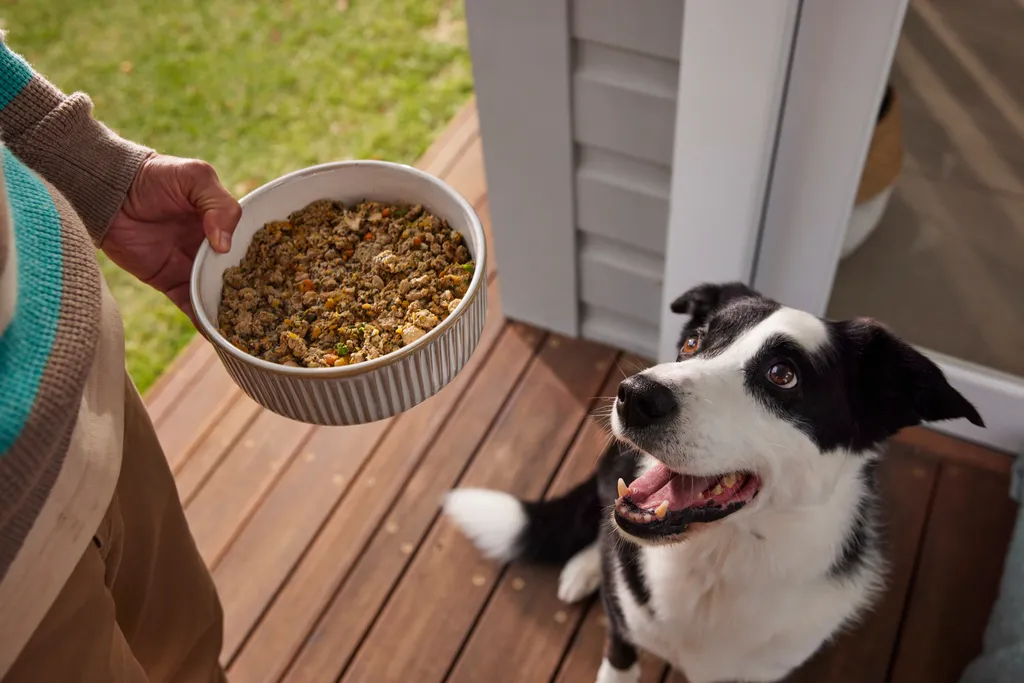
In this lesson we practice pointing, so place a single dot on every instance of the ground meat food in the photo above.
(335, 285)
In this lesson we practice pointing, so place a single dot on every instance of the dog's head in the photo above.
(759, 397)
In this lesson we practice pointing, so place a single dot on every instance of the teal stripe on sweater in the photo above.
(15, 73)
(26, 344)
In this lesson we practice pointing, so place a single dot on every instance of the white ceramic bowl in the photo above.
(374, 389)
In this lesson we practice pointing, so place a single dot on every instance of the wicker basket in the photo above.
(885, 156)
(881, 168)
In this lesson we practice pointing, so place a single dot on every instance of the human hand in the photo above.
(172, 205)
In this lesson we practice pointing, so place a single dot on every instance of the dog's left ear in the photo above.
(900, 386)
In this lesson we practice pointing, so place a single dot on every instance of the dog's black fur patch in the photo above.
(609, 598)
(561, 527)
(617, 462)
(632, 570)
(864, 535)
(726, 325)
(860, 389)
(619, 653)
(703, 301)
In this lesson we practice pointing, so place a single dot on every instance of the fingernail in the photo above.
(224, 240)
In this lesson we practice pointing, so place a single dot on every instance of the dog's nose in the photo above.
(643, 402)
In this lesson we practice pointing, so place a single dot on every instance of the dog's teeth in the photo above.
(648, 519)
(717, 491)
(623, 489)
(661, 510)
(729, 480)
(700, 496)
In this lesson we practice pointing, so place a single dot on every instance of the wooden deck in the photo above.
(333, 564)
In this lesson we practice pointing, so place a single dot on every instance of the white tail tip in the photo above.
(492, 520)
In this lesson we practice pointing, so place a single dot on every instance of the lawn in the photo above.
(257, 89)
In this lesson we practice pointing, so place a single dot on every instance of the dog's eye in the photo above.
(690, 345)
(782, 375)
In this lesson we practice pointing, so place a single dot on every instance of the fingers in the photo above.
(218, 209)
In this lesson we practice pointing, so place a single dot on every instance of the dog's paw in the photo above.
(581, 575)
(609, 674)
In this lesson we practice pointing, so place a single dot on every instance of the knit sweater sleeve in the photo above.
(56, 136)
(8, 271)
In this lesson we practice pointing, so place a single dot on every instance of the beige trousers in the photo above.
(140, 606)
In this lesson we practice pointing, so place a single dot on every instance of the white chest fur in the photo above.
(750, 598)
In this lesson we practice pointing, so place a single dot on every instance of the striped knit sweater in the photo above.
(64, 176)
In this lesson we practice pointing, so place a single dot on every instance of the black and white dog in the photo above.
(749, 534)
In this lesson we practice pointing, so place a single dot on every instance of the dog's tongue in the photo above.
(660, 484)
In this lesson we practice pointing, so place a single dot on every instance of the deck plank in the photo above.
(468, 175)
(175, 380)
(209, 394)
(271, 544)
(961, 564)
(451, 143)
(449, 576)
(865, 652)
(525, 615)
(250, 469)
(931, 443)
(217, 443)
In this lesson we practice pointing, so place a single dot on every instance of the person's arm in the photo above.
(55, 135)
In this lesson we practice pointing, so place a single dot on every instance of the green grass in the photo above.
(255, 88)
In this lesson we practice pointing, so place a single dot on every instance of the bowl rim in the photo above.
(475, 285)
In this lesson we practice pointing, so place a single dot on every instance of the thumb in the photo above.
(216, 207)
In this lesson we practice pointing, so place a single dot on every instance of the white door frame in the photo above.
(841, 61)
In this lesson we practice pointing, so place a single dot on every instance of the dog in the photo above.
(733, 527)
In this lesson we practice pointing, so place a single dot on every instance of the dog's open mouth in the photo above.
(665, 503)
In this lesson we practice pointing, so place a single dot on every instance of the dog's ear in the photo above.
(701, 300)
(896, 385)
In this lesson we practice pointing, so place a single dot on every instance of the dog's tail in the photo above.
(545, 532)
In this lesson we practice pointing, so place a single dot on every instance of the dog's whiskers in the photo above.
(634, 365)
(621, 371)
(609, 438)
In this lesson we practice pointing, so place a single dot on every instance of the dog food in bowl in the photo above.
(336, 285)
(354, 392)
